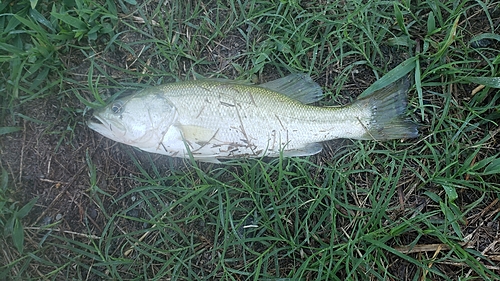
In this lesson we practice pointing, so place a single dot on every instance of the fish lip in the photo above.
(96, 122)
(103, 127)
(106, 128)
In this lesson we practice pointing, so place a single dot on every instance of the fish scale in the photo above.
(245, 110)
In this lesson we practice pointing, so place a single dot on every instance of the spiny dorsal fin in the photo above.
(298, 86)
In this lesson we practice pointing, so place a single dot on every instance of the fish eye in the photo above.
(117, 107)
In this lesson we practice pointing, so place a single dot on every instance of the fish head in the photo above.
(138, 120)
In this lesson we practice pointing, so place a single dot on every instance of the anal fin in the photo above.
(308, 149)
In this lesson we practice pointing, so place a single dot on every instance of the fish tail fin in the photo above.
(388, 108)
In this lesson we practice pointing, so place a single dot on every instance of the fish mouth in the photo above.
(103, 127)
(97, 123)
(108, 128)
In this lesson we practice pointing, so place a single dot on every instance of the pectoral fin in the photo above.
(197, 138)
(197, 134)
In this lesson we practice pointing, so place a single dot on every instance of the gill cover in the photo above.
(141, 119)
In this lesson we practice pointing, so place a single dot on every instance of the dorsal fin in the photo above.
(298, 86)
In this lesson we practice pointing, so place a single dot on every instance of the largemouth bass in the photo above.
(222, 119)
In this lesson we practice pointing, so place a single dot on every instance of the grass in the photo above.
(424, 209)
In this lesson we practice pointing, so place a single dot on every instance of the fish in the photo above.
(214, 119)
